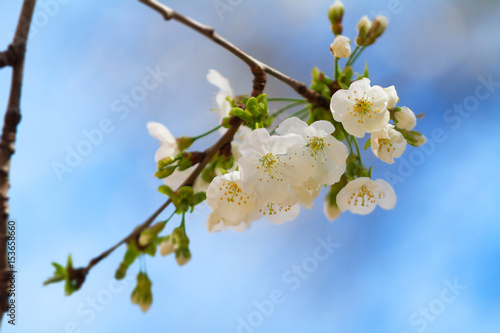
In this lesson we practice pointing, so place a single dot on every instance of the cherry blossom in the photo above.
(361, 109)
(388, 144)
(362, 195)
(324, 155)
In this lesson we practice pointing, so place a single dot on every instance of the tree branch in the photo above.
(14, 57)
(170, 14)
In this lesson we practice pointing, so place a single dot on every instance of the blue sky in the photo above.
(385, 269)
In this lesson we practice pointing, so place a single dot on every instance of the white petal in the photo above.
(160, 132)
(388, 200)
(291, 125)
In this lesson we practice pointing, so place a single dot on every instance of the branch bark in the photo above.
(254, 64)
(14, 57)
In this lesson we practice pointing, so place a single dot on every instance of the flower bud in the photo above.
(182, 256)
(335, 15)
(167, 246)
(341, 47)
(421, 140)
(364, 25)
(331, 211)
(393, 97)
(379, 25)
(184, 142)
(405, 119)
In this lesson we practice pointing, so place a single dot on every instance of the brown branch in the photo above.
(8, 57)
(254, 64)
(14, 57)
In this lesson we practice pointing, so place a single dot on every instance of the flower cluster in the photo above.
(277, 174)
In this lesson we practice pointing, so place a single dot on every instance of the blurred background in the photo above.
(430, 265)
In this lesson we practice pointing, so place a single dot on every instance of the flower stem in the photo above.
(337, 68)
(280, 99)
(357, 149)
(353, 54)
(290, 106)
(357, 55)
(183, 223)
(207, 133)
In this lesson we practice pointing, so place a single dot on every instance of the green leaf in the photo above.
(343, 85)
(368, 144)
(166, 190)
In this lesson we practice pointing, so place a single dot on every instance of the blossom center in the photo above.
(233, 193)
(363, 107)
(385, 143)
(363, 197)
(316, 144)
(269, 161)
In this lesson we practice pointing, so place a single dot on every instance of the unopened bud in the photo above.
(331, 211)
(167, 246)
(405, 119)
(378, 27)
(364, 25)
(335, 15)
(184, 142)
(182, 256)
(341, 47)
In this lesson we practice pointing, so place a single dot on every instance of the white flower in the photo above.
(225, 196)
(265, 168)
(388, 144)
(276, 213)
(361, 109)
(225, 91)
(168, 144)
(217, 223)
(393, 96)
(341, 47)
(331, 211)
(362, 195)
(406, 119)
(324, 155)
(307, 192)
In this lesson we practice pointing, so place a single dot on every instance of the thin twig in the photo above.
(14, 57)
(299, 87)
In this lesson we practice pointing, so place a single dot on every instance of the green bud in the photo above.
(364, 26)
(166, 190)
(252, 107)
(335, 15)
(165, 162)
(262, 103)
(121, 272)
(185, 162)
(142, 295)
(165, 172)
(184, 142)
(379, 25)
(243, 114)
(182, 256)
(149, 234)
